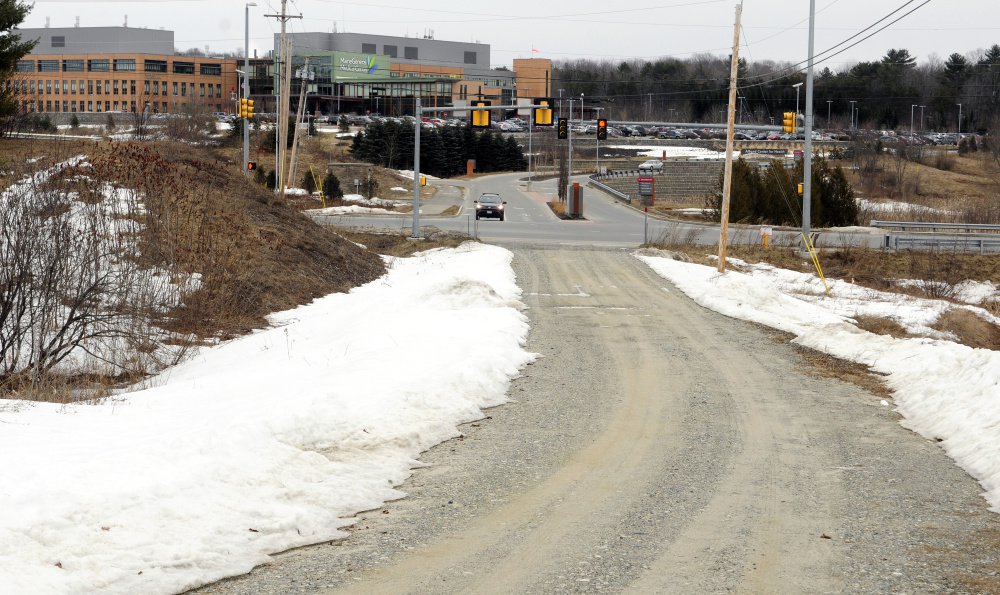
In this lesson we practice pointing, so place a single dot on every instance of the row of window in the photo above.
(94, 106)
(111, 87)
(116, 65)
(409, 53)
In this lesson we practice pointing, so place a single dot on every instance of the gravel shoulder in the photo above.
(658, 447)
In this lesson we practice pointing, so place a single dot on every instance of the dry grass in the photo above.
(400, 243)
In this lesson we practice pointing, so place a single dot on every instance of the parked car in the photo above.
(489, 204)
(651, 166)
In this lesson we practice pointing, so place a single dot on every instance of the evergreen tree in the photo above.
(331, 187)
(74, 122)
(308, 182)
(272, 179)
(12, 49)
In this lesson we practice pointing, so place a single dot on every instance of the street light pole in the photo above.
(911, 117)
(922, 117)
(246, 85)
(959, 119)
(797, 87)
(853, 127)
(581, 109)
(829, 102)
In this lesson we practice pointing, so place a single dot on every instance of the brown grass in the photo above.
(970, 329)
(400, 243)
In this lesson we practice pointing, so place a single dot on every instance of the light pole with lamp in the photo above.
(959, 119)
(581, 109)
(797, 87)
(913, 105)
(922, 117)
(246, 85)
(829, 102)
(853, 127)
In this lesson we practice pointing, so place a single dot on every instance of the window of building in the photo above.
(131, 87)
(107, 105)
(368, 48)
(48, 66)
(390, 50)
(175, 88)
(98, 65)
(26, 66)
(65, 86)
(90, 87)
(410, 53)
(470, 57)
(184, 89)
(183, 67)
(58, 41)
(48, 105)
(99, 87)
(48, 87)
(56, 106)
(116, 87)
(72, 65)
(56, 87)
(218, 90)
(155, 65)
(145, 87)
(124, 65)
(90, 106)
(201, 90)
(114, 106)
(82, 87)
(72, 86)
(211, 69)
(211, 90)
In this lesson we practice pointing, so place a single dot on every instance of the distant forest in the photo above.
(883, 91)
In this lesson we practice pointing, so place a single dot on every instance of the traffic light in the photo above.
(543, 115)
(562, 130)
(246, 108)
(251, 165)
(480, 118)
(602, 129)
(788, 122)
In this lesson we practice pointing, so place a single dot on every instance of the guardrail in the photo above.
(965, 242)
(610, 190)
(904, 225)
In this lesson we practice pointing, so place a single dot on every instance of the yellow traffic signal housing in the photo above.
(480, 118)
(562, 131)
(251, 165)
(543, 115)
(602, 129)
(788, 122)
(245, 108)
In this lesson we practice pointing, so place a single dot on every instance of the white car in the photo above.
(651, 165)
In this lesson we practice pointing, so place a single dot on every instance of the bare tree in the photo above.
(73, 295)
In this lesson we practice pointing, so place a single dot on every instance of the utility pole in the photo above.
(959, 120)
(292, 169)
(807, 158)
(727, 178)
(283, 76)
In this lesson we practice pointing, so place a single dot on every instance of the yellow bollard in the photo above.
(765, 235)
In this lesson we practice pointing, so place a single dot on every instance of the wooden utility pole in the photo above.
(283, 76)
(292, 169)
(727, 179)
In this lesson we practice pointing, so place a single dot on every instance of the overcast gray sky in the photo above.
(772, 29)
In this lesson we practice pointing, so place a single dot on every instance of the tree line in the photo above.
(444, 152)
(882, 93)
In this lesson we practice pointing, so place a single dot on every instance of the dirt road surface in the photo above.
(657, 447)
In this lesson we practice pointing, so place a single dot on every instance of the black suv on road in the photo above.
(490, 204)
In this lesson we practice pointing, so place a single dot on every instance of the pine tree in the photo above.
(12, 49)
(331, 187)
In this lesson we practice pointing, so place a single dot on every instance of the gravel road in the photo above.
(657, 447)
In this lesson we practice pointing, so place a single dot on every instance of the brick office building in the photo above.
(118, 69)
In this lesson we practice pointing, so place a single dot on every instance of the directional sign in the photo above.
(645, 186)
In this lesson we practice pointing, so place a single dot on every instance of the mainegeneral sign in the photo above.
(352, 66)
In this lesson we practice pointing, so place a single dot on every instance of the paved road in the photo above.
(657, 447)
(606, 222)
